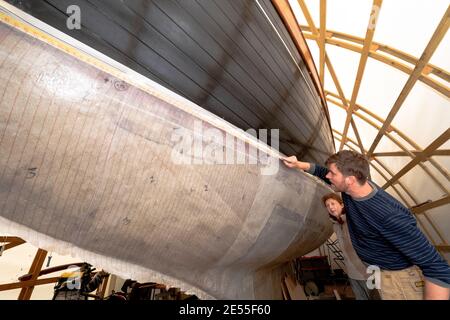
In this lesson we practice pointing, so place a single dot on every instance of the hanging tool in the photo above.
(49, 258)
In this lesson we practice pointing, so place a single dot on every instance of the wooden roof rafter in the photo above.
(330, 67)
(362, 65)
(421, 157)
(323, 19)
(431, 47)
(377, 46)
(332, 38)
(431, 205)
(393, 129)
(405, 149)
(344, 102)
(440, 152)
(443, 248)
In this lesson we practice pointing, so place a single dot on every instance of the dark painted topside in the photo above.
(224, 55)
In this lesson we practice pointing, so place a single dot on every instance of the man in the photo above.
(353, 266)
(383, 231)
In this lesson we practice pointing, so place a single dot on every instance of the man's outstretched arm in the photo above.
(292, 162)
(312, 168)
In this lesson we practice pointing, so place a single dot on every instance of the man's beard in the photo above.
(337, 189)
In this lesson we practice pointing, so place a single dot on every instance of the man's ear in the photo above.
(351, 180)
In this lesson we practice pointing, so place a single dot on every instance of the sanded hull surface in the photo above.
(86, 169)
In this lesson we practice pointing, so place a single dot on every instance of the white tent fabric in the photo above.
(401, 32)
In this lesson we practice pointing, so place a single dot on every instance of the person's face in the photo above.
(338, 181)
(334, 207)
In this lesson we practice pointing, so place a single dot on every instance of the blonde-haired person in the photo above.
(354, 267)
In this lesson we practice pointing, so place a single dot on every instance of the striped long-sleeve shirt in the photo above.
(385, 233)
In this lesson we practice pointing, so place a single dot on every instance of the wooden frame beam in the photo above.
(431, 205)
(323, 19)
(443, 248)
(11, 242)
(433, 162)
(445, 152)
(362, 65)
(10, 239)
(385, 58)
(344, 101)
(27, 284)
(431, 47)
(308, 17)
(334, 77)
(28, 276)
(332, 34)
(423, 156)
(25, 293)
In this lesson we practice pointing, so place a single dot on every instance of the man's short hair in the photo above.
(351, 163)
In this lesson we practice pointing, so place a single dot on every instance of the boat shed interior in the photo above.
(146, 146)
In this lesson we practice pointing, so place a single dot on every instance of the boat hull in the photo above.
(87, 168)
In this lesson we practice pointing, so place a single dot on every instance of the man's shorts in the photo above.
(406, 284)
